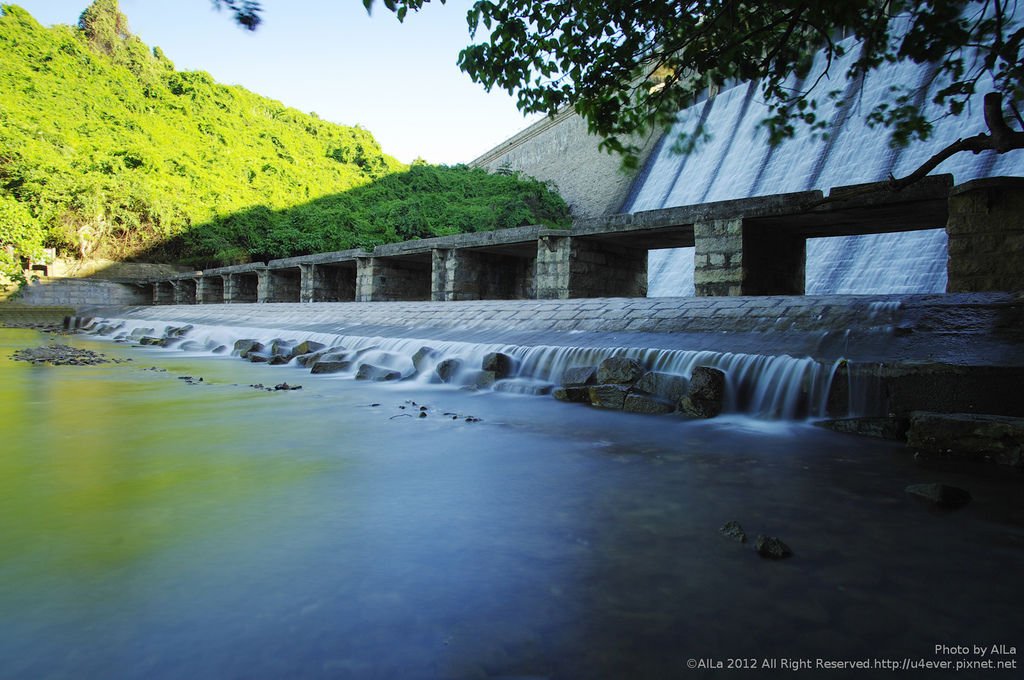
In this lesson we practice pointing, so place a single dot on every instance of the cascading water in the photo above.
(765, 386)
(736, 161)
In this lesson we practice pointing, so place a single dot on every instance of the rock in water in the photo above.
(706, 394)
(640, 402)
(771, 547)
(665, 385)
(423, 357)
(502, 365)
(619, 371)
(941, 495)
(447, 369)
(734, 531)
(608, 396)
(579, 375)
(378, 373)
(575, 394)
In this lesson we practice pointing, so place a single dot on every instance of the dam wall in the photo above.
(560, 150)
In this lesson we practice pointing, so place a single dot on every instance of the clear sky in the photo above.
(400, 81)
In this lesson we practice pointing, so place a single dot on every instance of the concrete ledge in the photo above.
(338, 256)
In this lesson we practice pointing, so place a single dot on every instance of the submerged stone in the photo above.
(772, 548)
(880, 427)
(941, 495)
(969, 435)
(733, 530)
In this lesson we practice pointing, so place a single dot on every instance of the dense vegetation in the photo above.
(107, 150)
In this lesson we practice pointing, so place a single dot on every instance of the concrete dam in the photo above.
(794, 269)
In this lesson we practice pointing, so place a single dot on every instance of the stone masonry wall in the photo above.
(474, 275)
(383, 279)
(78, 292)
(561, 151)
(986, 236)
(603, 269)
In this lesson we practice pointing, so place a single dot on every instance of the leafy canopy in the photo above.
(107, 150)
(628, 67)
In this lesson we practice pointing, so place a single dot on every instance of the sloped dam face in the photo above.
(170, 514)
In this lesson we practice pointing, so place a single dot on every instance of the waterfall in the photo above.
(765, 386)
(736, 161)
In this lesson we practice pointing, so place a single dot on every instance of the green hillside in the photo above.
(107, 150)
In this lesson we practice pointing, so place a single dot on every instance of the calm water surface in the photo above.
(151, 528)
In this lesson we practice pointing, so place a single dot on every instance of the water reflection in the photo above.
(151, 528)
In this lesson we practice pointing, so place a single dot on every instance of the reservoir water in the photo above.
(157, 527)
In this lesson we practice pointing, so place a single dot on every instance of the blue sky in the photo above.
(397, 80)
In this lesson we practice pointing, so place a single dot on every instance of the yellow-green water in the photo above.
(151, 528)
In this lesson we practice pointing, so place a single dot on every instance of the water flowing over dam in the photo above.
(735, 160)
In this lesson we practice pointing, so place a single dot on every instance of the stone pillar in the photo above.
(264, 286)
(163, 293)
(380, 279)
(551, 274)
(210, 290)
(184, 291)
(718, 257)
(306, 284)
(986, 236)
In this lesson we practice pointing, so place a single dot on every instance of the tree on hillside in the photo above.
(629, 67)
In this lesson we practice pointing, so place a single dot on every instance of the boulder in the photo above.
(308, 360)
(447, 369)
(377, 373)
(579, 375)
(307, 347)
(243, 347)
(502, 365)
(665, 385)
(641, 402)
(969, 435)
(177, 331)
(151, 340)
(733, 530)
(279, 360)
(941, 495)
(330, 367)
(259, 357)
(140, 332)
(576, 394)
(424, 357)
(619, 371)
(608, 396)
(705, 396)
(281, 347)
(771, 547)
